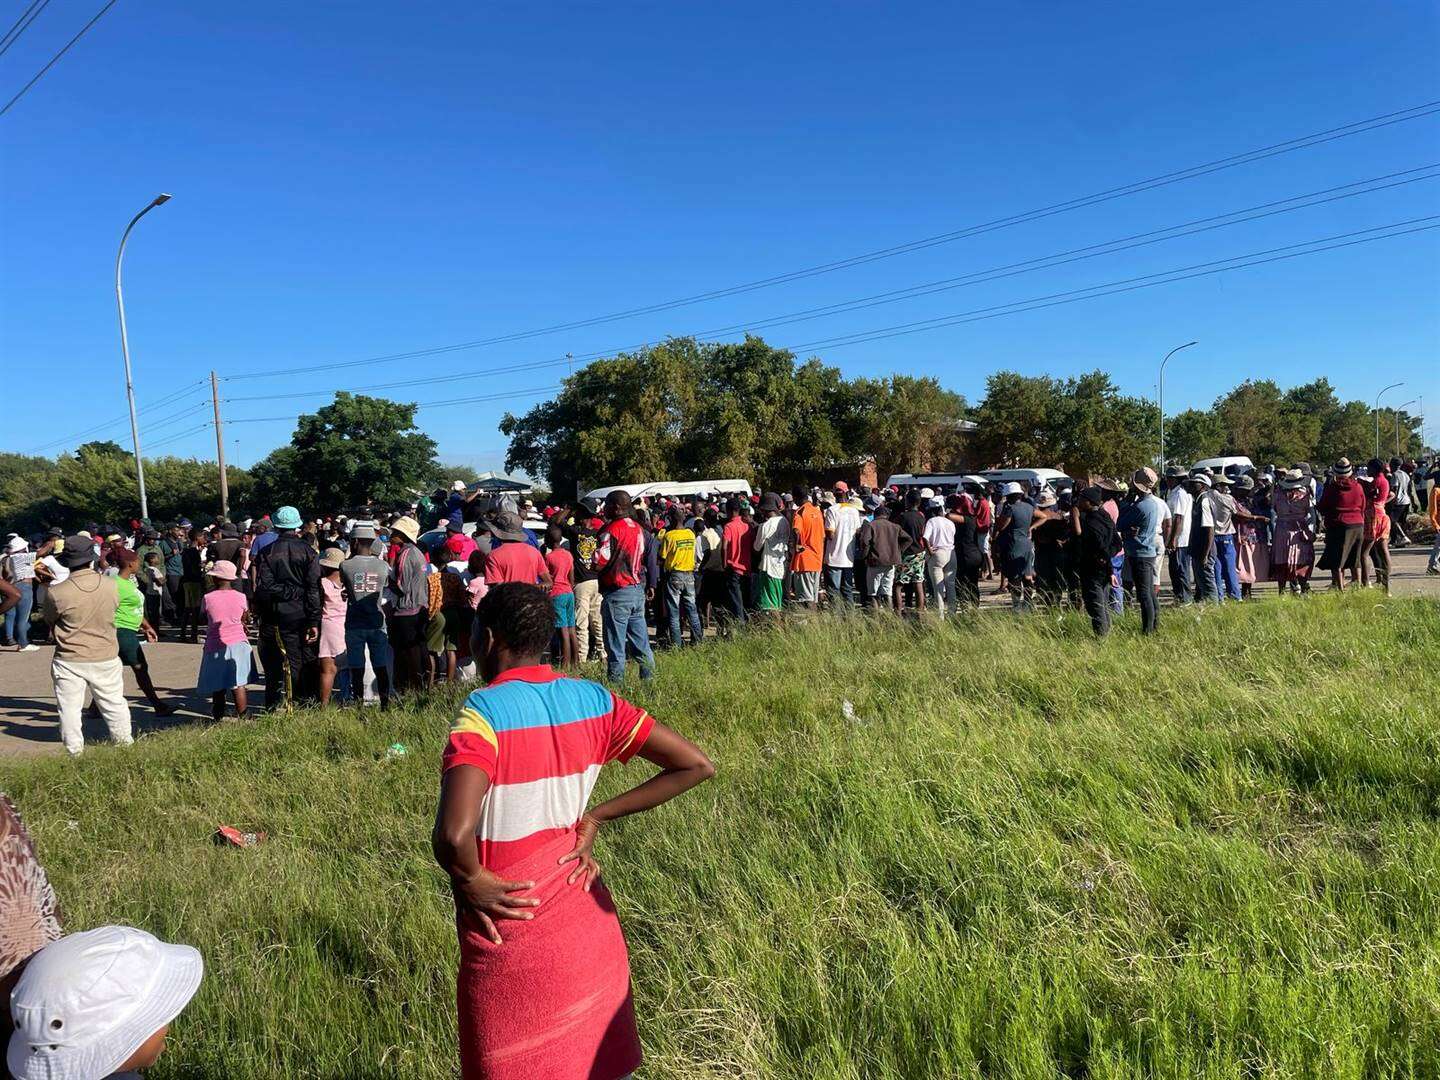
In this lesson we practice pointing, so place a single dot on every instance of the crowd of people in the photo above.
(455, 587)
(356, 607)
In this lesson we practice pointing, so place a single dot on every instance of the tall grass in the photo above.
(1210, 853)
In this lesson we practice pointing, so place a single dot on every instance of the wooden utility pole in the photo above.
(220, 449)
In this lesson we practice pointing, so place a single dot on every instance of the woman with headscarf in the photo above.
(1292, 555)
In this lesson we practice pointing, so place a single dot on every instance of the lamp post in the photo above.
(1378, 396)
(125, 351)
(1397, 423)
(1161, 395)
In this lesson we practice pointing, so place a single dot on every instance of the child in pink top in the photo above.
(225, 663)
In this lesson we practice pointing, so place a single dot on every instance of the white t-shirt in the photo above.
(939, 534)
(1181, 503)
(1160, 521)
(842, 522)
(772, 541)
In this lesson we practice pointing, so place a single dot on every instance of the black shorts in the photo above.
(129, 642)
(408, 631)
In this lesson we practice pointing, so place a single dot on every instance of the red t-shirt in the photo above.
(620, 555)
(514, 562)
(562, 570)
(739, 539)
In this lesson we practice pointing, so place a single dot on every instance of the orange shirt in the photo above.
(809, 528)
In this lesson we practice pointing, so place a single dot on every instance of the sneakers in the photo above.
(28, 648)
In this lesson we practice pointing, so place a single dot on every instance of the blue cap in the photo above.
(287, 517)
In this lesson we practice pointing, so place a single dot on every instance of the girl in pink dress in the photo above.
(332, 620)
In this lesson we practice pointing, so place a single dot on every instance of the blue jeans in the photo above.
(17, 619)
(1182, 579)
(1117, 590)
(840, 581)
(622, 614)
(680, 591)
(1227, 581)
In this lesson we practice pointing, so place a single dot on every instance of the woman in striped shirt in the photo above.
(551, 998)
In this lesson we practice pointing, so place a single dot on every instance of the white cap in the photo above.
(458, 485)
(87, 1002)
(1012, 488)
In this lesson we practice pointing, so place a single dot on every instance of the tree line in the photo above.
(684, 409)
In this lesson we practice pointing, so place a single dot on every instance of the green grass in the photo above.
(1211, 853)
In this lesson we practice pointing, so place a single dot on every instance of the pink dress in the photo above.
(332, 619)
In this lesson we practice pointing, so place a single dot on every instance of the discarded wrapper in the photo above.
(228, 834)
(396, 750)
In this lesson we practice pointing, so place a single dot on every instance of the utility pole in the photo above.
(1378, 396)
(1160, 397)
(220, 449)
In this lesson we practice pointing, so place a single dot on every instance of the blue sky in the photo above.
(357, 179)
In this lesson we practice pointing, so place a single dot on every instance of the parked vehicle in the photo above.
(675, 489)
(1030, 479)
(940, 483)
(1231, 466)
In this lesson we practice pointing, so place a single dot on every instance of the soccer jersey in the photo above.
(541, 738)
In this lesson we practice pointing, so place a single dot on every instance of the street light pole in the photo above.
(1397, 423)
(1378, 396)
(1161, 396)
(125, 351)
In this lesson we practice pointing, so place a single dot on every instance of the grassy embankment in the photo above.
(1213, 853)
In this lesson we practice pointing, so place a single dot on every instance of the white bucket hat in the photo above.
(1012, 488)
(87, 1002)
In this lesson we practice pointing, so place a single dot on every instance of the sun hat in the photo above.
(287, 517)
(407, 527)
(770, 502)
(1293, 478)
(457, 485)
(1221, 480)
(935, 502)
(87, 1002)
(1012, 488)
(17, 543)
(1175, 472)
(927, 493)
(508, 526)
(873, 503)
(1093, 494)
(79, 551)
(1201, 477)
(1244, 483)
(1144, 478)
(331, 560)
(362, 532)
(1343, 467)
(222, 570)
(1047, 498)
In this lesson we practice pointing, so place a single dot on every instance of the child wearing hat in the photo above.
(98, 1004)
(225, 662)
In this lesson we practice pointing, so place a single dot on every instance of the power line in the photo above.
(22, 24)
(148, 407)
(1303, 142)
(54, 59)
(1129, 284)
(444, 402)
(1044, 262)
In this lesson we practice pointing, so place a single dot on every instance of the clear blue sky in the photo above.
(356, 179)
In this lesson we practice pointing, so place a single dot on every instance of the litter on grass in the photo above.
(228, 834)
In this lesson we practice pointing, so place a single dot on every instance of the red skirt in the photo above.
(554, 1000)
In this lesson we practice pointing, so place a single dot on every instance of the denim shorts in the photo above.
(564, 610)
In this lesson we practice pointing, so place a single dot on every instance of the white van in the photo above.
(1230, 466)
(675, 489)
(940, 483)
(1030, 479)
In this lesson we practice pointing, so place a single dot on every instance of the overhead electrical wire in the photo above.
(28, 16)
(55, 59)
(1044, 262)
(124, 419)
(1303, 142)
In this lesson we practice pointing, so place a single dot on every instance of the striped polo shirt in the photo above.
(541, 738)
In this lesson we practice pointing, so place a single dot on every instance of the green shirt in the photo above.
(131, 609)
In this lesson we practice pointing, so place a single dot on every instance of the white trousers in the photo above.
(106, 683)
(940, 569)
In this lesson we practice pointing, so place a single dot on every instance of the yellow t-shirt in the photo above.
(677, 550)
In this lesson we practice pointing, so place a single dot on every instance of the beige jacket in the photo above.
(82, 611)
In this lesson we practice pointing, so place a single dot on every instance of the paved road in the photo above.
(27, 701)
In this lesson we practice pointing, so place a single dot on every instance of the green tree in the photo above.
(1193, 435)
(354, 451)
(1016, 421)
(1100, 431)
(1266, 425)
(907, 423)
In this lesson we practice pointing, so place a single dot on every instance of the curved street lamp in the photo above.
(1161, 396)
(159, 200)
(1378, 396)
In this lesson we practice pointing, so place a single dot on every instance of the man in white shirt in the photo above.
(1180, 504)
(939, 540)
(842, 522)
